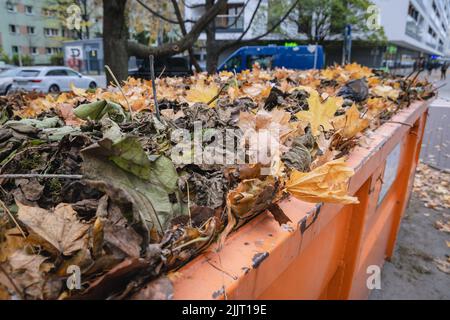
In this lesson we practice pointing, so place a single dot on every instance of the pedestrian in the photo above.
(430, 68)
(444, 68)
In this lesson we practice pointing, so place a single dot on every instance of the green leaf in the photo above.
(129, 155)
(98, 109)
(128, 176)
(163, 170)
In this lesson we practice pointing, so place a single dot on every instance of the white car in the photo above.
(6, 79)
(51, 79)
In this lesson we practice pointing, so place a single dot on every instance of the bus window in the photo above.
(264, 61)
(233, 63)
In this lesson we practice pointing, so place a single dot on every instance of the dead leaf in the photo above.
(320, 114)
(327, 183)
(59, 231)
(442, 265)
(201, 92)
(351, 123)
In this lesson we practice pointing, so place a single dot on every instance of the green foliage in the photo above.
(4, 57)
(331, 17)
(27, 60)
(57, 59)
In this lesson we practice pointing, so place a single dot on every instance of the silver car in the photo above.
(6, 79)
(51, 79)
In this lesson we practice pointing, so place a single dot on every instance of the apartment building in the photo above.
(31, 27)
(413, 28)
(416, 27)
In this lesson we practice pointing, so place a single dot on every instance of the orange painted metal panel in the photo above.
(325, 252)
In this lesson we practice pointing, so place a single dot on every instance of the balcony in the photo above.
(229, 23)
(414, 30)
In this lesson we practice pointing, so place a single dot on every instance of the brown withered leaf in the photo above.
(26, 274)
(14, 240)
(351, 123)
(58, 231)
(115, 229)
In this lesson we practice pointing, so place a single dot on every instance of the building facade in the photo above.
(416, 27)
(37, 28)
(28, 28)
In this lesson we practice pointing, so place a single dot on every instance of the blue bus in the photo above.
(268, 57)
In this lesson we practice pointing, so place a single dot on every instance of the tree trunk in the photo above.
(211, 52)
(115, 38)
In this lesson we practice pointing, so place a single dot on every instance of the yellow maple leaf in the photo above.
(375, 106)
(201, 92)
(351, 123)
(320, 114)
(78, 91)
(357, 71)
(327, 183)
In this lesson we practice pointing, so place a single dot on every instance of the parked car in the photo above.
(298, 57)
(6, 79)
(4, 66)
(51, 79)
(168, 66)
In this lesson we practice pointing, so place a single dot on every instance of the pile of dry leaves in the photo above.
(88, 178)
(433, 187)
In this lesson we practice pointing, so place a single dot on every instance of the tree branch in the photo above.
(181, 45)
(270, 30)
(177, 10)
(159, 15)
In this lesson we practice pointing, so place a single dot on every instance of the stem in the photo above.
(121, 90)
(41, 175)
(152, 75)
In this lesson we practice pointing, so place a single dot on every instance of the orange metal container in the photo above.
(326, 251)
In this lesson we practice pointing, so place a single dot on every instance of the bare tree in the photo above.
(117, 48)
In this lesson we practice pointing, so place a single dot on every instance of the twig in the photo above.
(397, 122)
(220, 269)
(5, 208)
(41, 175)
(218, 94)
(189, 204)
(152, 76)
(121, 90)
(162, 72)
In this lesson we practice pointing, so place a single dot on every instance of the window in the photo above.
(412, 12)
(264, 61)
(431, 32)
(51, 32)
(233, 63)
(12, 28)
(51, 51)
(57, 73)
(28, 73)
(48, 12)
(231, 18)
(34, 51)
(29, 9)
(72, 73)
(15, 49)
(30, 30)
(10, 7)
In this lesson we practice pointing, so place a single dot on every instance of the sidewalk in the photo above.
(436, 141)
(412, 272)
